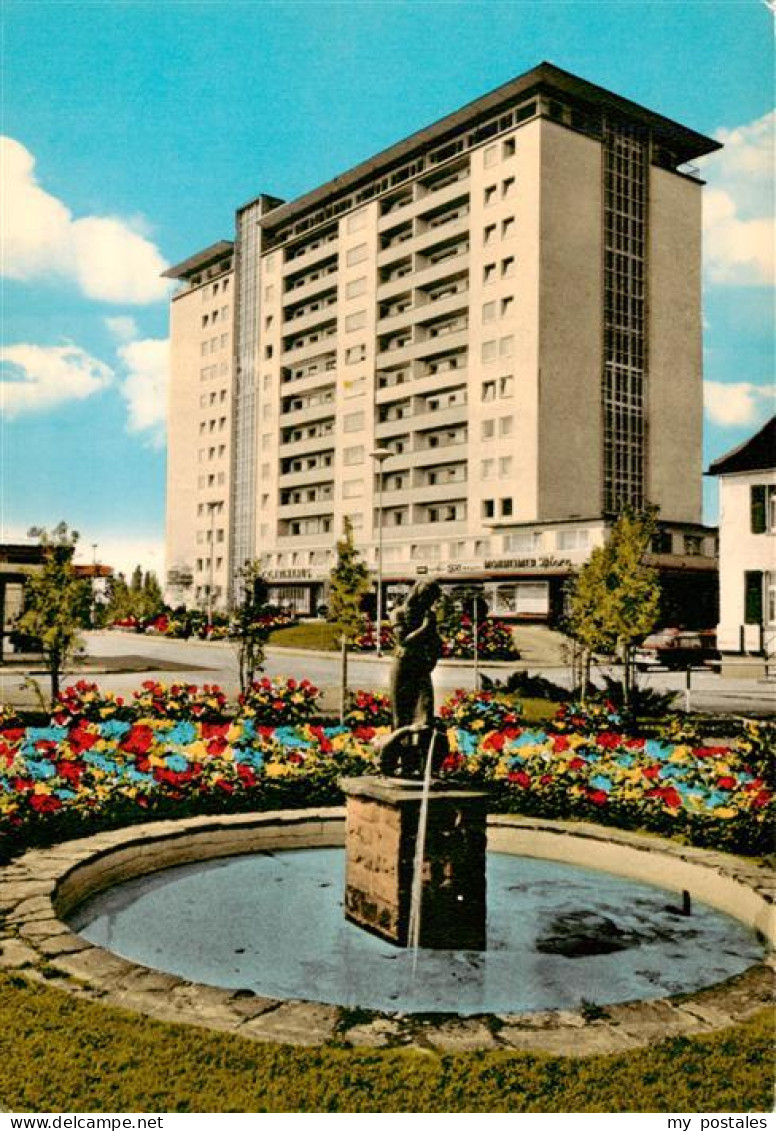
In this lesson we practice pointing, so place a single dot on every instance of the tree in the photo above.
(247, 629)
(614, 600)
(54, 602)
(348, 585)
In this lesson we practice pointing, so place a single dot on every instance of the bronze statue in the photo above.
(418, 647)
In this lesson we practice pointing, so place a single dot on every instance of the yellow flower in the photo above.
(278, 770)
(725, 811)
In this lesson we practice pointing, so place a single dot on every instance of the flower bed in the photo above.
(494, 640)
(101, 761)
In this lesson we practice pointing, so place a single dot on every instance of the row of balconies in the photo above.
(418, 199)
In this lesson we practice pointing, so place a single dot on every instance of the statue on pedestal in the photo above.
(418, 648)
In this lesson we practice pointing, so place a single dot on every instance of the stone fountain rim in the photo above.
(45, 884)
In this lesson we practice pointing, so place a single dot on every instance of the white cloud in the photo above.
(124, 551)
(37, 378)
(737, 403)
(122, 326)
(107, 256)
(144, 386)
(738, 213)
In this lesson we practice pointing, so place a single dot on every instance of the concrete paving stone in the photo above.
(15, 954)
(252, 1006)
(461, 1035)
(67, 943)
(95, 966)
(12, 894)
(295, 1023)
(382, 1032)
(568, 1042)
(543, 1019)
(43, 928)
(38, 907)
(652, 1020)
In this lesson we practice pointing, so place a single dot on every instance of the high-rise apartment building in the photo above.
(485, 340)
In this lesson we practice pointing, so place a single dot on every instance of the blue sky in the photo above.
(136, 128)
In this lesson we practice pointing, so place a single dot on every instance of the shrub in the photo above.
(480, 711)
(180, 701)
(369, 709)
(84, 701)
(527, 686)
(278, 702)
(367, 640)
(494, 641)
(591, 717)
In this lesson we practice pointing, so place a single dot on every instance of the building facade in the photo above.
(746, 635)
(480, 345)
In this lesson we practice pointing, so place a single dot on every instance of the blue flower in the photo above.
(65, 794)
(655, 749)
(176, 762)
(181, 734)
(114, 728)
(466, 742)
(46, 734)
(40, 770)
(602, 783)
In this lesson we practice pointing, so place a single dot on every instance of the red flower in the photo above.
(21, 784)
(45, 803)
(609, 740)
(13, 734)
(560, 743)
(247, 775)
(577, 763)
(726, 782)
(672, 799)
(226, 786)
(598, 797)
(519, 777)
(494, 741)
(214, 730)
(635, 743)
(217, 746)
(762, 798)
(138, 740)
(545, 779)
(651, 772)
(71, 771)
(81, 739)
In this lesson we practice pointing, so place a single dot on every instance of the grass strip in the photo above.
(61, 1053)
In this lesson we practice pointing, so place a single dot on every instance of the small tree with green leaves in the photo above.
(348, 585)
(614, 600)
(246, 628)
(55, 599)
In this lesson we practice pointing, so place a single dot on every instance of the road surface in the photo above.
(194, 661)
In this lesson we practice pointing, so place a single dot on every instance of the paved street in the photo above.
(199, 662)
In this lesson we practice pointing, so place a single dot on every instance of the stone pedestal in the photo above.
(382, 830)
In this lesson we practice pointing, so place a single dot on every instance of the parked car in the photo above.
(677, 649)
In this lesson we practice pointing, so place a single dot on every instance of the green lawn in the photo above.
(318, 635)
(63, 1054)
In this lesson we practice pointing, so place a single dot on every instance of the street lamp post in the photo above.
(380, 455)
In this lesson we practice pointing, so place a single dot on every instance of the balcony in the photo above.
(393, 358)
(302, 322)
(308, 413)
(311, 446)
(310, 288)
(425, 274)
(313, 253)
(296, 355)
(425, 240)
(310, 477)
(423, 310)
(425, 201)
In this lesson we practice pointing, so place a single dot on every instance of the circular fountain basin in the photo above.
(272, 922)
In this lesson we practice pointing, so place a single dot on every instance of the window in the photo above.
(486, 468)
(489, 273)
(505, 467)
(489, 390)
(507, 266)
(489, 350)
(508, 148)
(353, 455)
(505, 426)
(662, 542)
(762, 507)
(488, 429)
(354, 422)
(506, 386)
(357, 254)
(269, 293)
(508, 187)
(490, 195)
(268, 352)
(488, 508)
(507, 305)
(355, 321)
(506, 508)
(356, 220)
(506, 346)
(573, 539)
(490, 156)
(489, 234)
(488, 311)
(351, 488)
(205, 319)
(355, 287)
(753, 597)
(355, 354)
(693, 545)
